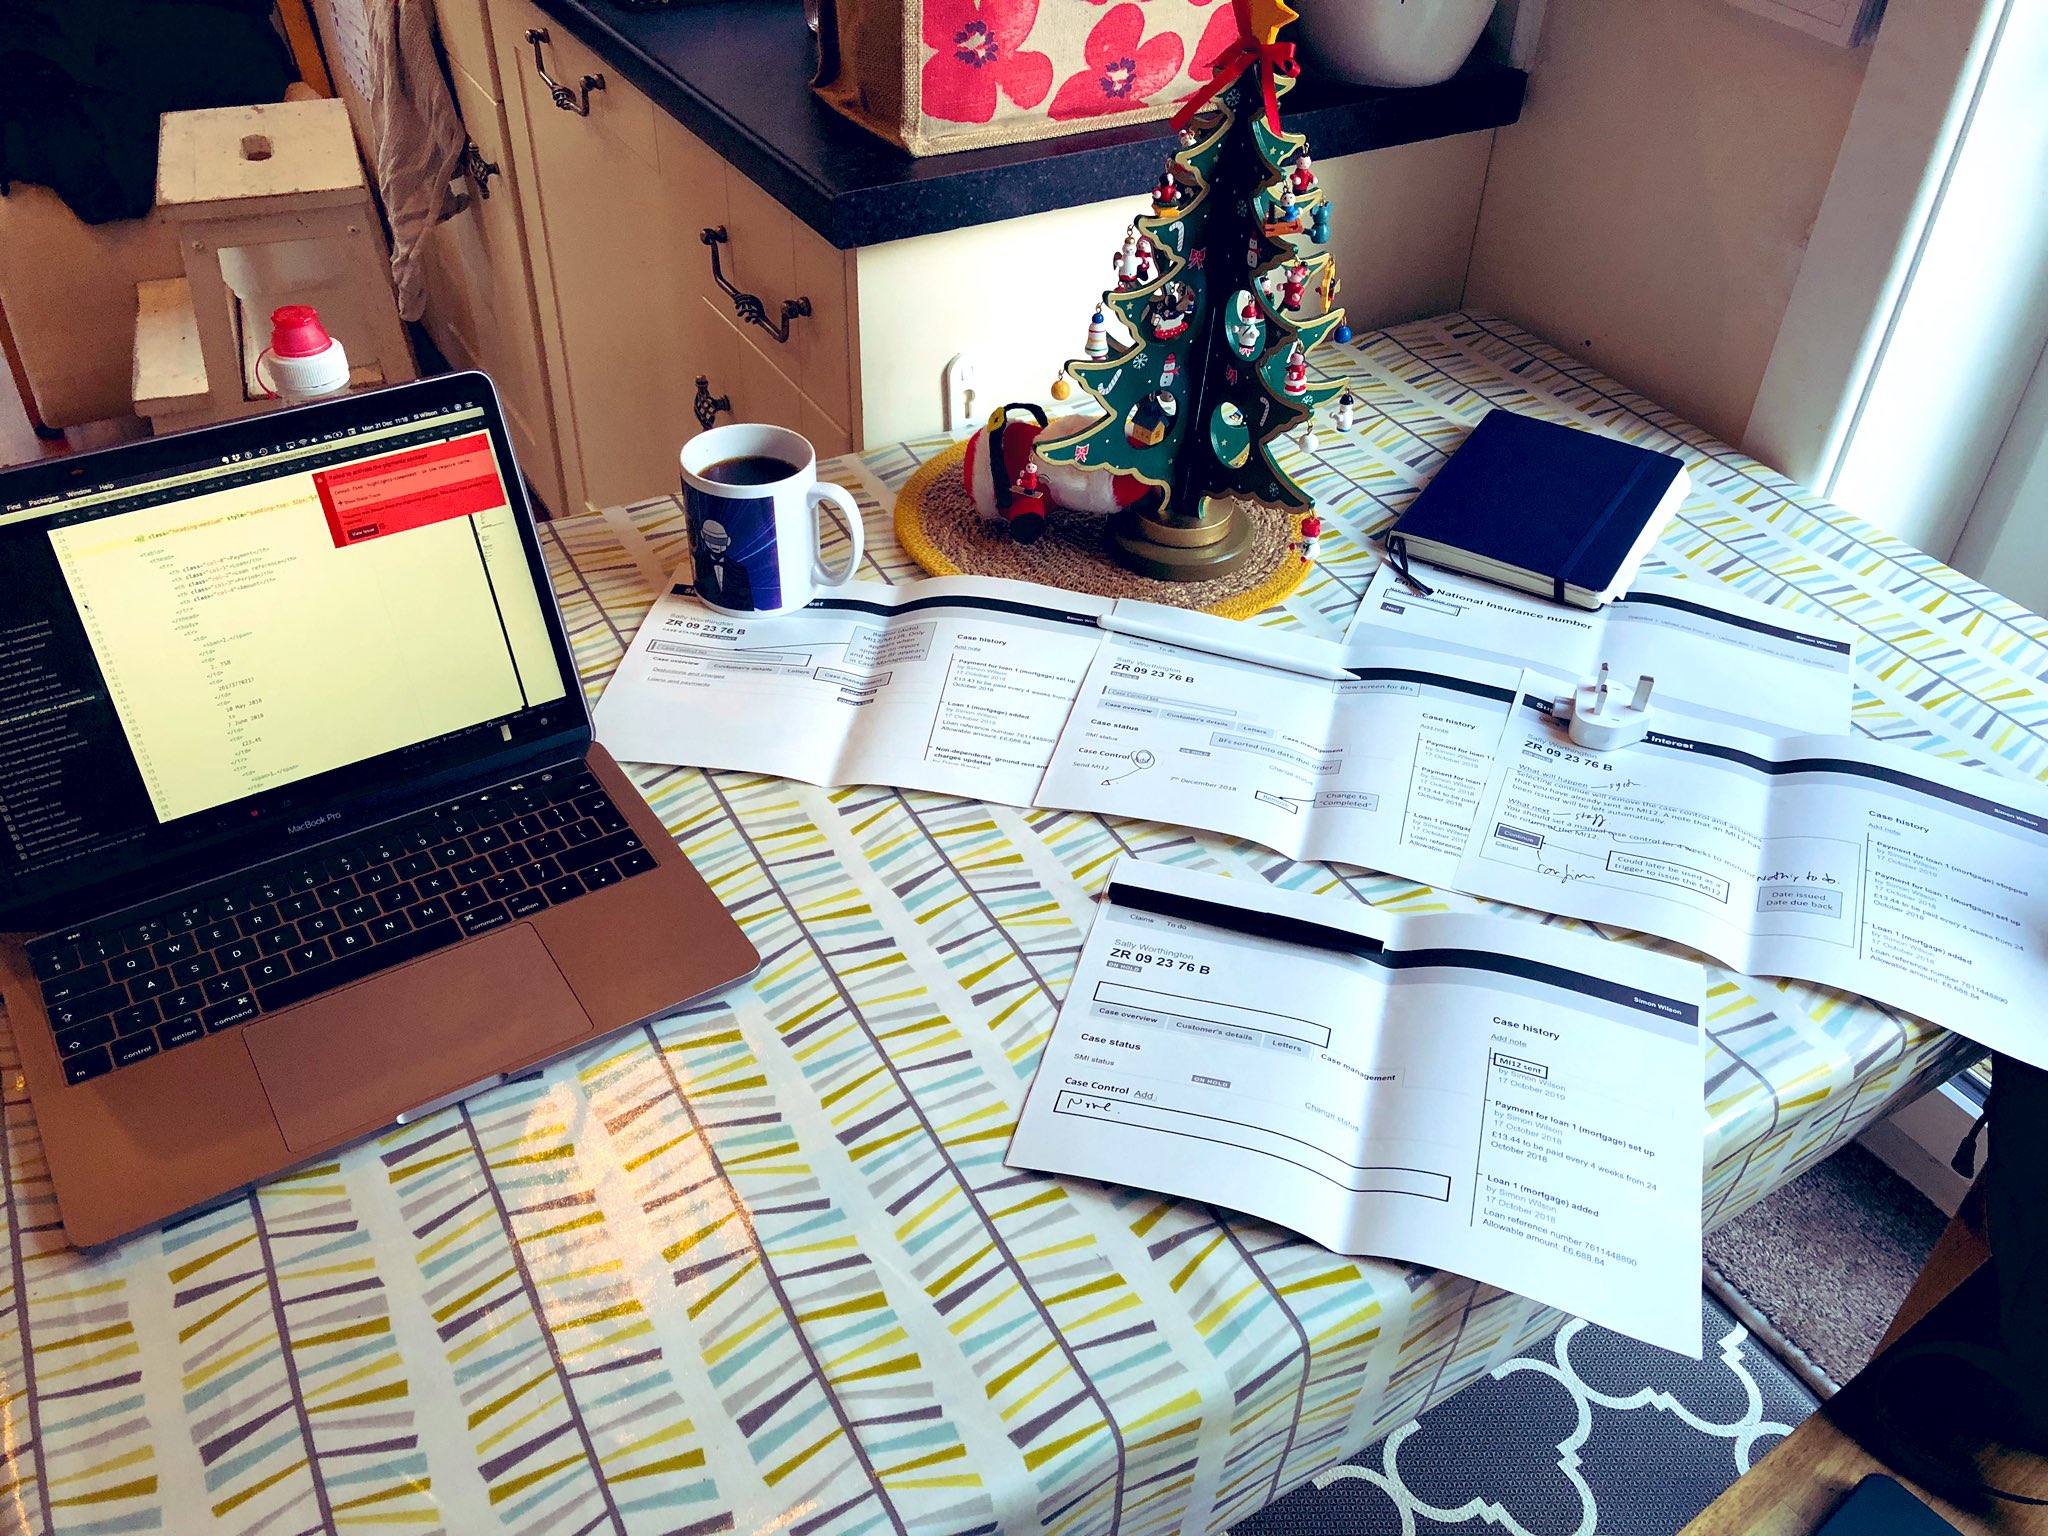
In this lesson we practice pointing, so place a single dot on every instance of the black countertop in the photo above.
(736, 73)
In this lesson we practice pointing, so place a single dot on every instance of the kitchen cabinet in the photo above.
(588, 289)
(481, 308)
(614, 197)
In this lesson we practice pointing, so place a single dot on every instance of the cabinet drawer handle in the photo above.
(745, 305)
(566, 99)
(480, 170)
(708, 405)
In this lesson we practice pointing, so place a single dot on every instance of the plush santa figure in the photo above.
(1064, 485)
(1019, 431)
(1084, 490)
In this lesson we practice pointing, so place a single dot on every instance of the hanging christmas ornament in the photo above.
(1329, 288)
(1285, 219)
(1248, 330)
(1293, 286)
(1125, 262)
(1311, 541)
(1150, 419)
(1097, 345)
(1170, 310)
(1143, 275)
(1166, 196)
(1303, 177)
(1347, 411)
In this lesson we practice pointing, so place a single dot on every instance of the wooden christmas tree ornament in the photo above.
(1217, 371)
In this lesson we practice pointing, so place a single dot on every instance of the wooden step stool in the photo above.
(269, 200)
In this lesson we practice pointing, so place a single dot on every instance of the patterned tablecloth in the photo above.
(761, 1265)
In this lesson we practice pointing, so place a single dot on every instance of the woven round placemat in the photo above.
(937, 522)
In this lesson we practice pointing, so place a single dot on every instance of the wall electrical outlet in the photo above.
(957, 384)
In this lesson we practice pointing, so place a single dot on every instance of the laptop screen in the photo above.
(231, 627)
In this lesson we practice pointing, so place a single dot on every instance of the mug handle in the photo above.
(824, 491)
(268, 386)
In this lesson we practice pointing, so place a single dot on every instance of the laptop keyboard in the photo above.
(119, 993)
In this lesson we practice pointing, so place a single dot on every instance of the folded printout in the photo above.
(1496, 1098)
(1831, 858)
(1383, 769)
(1716, 650)
(959, 684)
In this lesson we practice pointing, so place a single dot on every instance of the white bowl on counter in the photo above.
(1391, 42)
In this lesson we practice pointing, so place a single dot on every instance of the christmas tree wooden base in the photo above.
(1199, 551)
(941, 529)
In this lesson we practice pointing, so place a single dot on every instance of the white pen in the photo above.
(1228, 638)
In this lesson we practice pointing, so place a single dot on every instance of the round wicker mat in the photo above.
(936, 521)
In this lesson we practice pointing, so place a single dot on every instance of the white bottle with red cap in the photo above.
(302, 360)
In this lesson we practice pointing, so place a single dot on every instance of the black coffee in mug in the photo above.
(749, 469)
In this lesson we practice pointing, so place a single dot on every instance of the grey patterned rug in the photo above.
(1590, 1434)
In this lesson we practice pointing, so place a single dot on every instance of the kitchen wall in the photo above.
(1650, 210)
(1022, 290)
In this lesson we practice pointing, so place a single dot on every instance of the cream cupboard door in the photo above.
(622, 397)
(480, 304)
(801, 382)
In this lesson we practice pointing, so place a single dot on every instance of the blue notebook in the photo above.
(1544, 508)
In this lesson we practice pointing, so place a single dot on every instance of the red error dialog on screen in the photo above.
(401, 491)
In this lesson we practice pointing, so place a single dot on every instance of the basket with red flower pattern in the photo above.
(943, 75)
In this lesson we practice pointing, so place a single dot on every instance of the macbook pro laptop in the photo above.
(303, 830)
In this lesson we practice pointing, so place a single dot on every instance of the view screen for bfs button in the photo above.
(401, 491)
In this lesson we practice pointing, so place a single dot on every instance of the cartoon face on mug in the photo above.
(734, 540)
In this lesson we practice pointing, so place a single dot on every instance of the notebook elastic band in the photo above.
(1570, 561)
(1397, 557)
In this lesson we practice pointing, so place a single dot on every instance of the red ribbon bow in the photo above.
(1275, 58)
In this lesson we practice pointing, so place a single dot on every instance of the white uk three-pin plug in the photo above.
(1598, 718)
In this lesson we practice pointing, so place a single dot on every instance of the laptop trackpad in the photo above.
(351, 1060)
